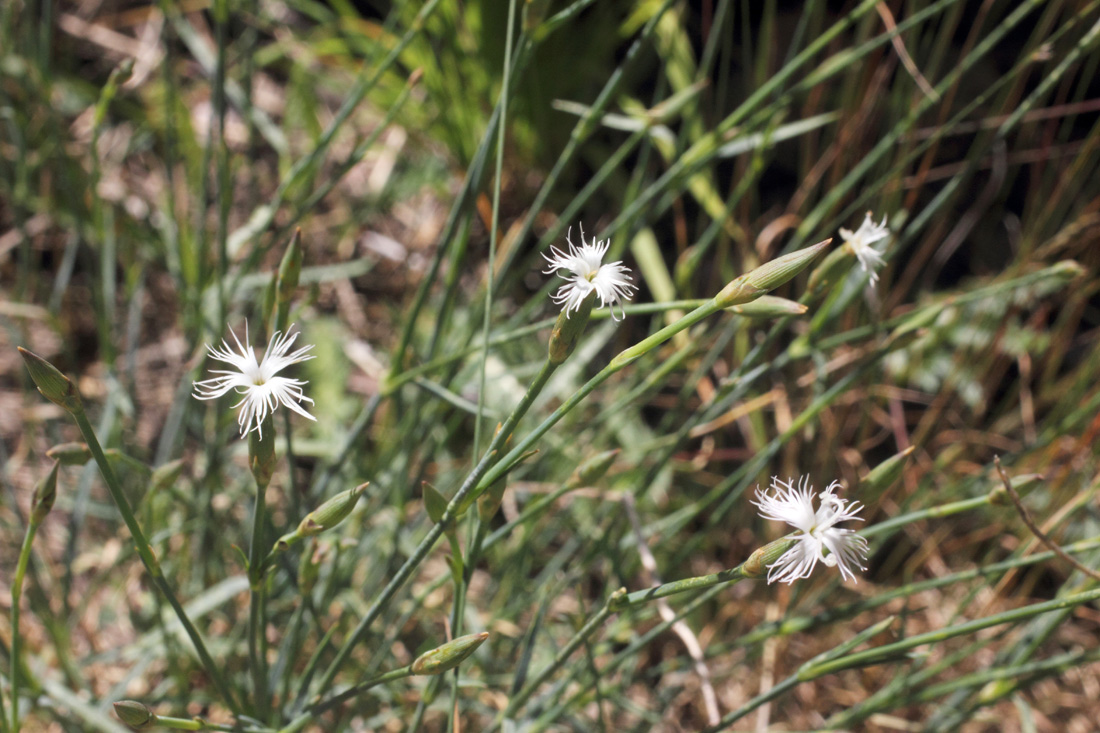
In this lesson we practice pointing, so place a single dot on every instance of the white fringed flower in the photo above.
(262, 391)
(860, 242)
(587, 273)
(817, 530)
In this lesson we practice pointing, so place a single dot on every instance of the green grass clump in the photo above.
(503, 518)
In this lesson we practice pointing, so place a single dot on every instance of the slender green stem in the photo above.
(16, 597)
(940, 510)
(256, 620)
(883, 653)
(754, 567)
(330, 702)
(877, 655)
(622, 360)
(149, 559)
(460, 499)
(521, 697)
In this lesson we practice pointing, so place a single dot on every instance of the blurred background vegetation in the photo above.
(155, 159)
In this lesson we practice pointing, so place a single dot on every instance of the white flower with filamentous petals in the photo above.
(260, 389)
(861, 240)
(817, 530)
(587, 273)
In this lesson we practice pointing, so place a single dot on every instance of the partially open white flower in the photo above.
(860, 242)
(587, 273)
(817, 530)
(262, 391)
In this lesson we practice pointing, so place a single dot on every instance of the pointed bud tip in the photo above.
(53, 385)
(134, 714)
(768, 276)
(448, 656)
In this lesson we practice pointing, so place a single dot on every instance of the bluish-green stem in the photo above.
(16, 597)
(149, 559)
(489, 470)
(261, 458)
(460, 500)
(620, 600)
(256, 621)
(880, 654)
(328, 703)
(889, 652)
(622, 360)
(614, 602)
(461, 583)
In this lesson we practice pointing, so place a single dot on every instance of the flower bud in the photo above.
(332, 512)
(53, 385)
(44, 495)
(769, 306)
(567, 330)
(309, 567)
(448, 656)
(592, 469)
(286, 282)
(886, 473)
(768, 276)
(1068, 269)
(290, 269)
(134, 714)
(70, 454)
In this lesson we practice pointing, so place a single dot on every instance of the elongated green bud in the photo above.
(768, 306)
(290, 271)
(332, 512)
(53, 385)
(134, 714)
(592, 469)
(768, 276)
(1068, 269)
(309, 567)
(568, 329)
(885, 474)
(448, 656)
(119, 76)
(44, 495)
(70, 454)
